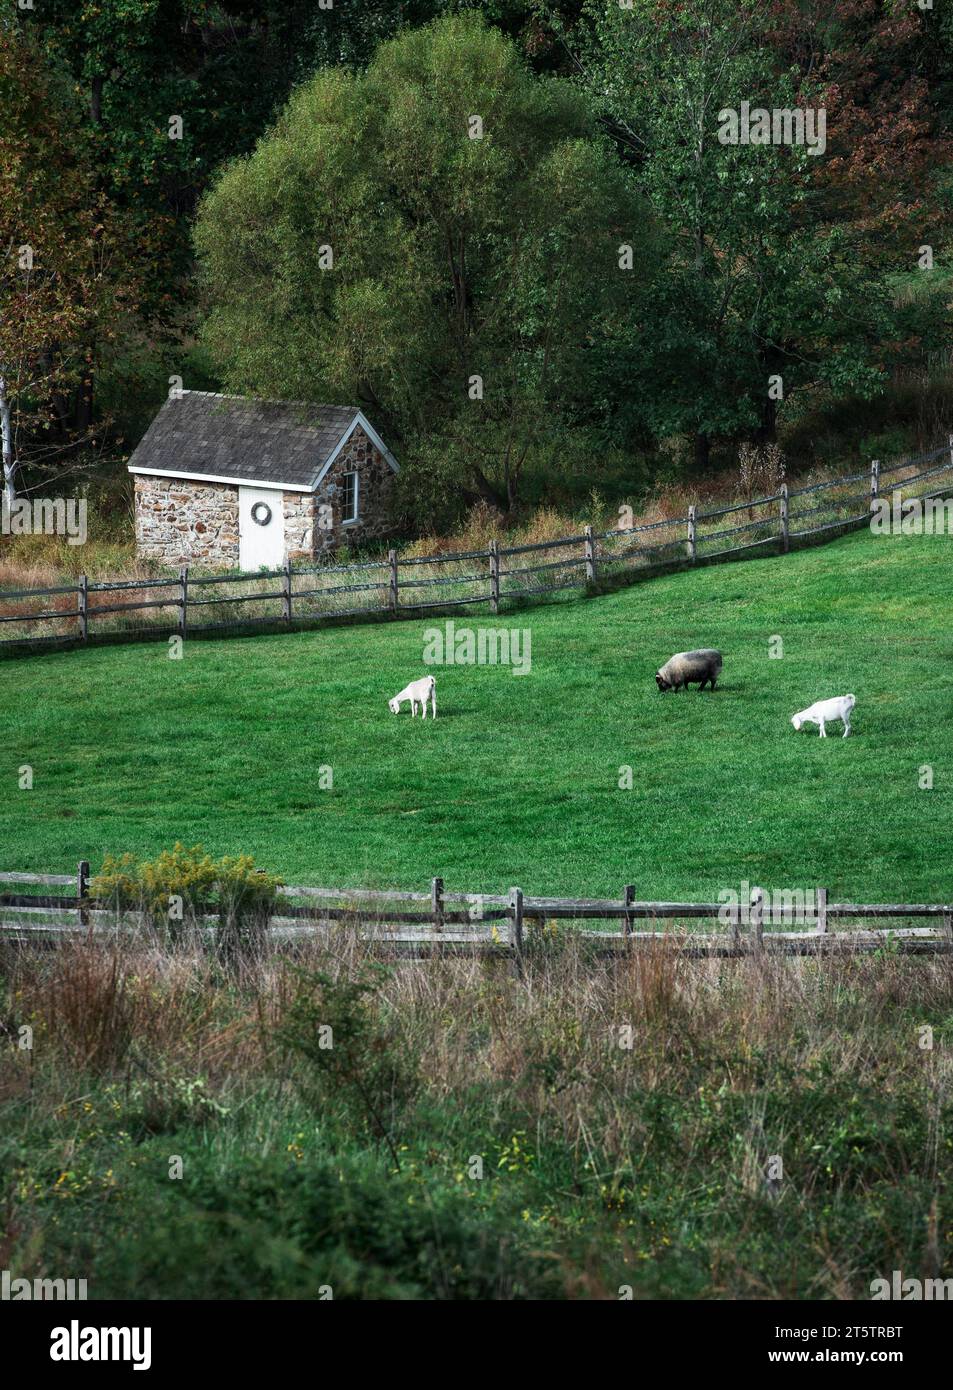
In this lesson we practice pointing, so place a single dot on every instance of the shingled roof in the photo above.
(238, 439)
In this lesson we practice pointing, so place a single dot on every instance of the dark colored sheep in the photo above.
(684, 667)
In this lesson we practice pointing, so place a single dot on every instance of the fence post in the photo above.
(590, 557)
(494, 577)
(628, 897)
(392, 561)
(821, 904)
(436, 903)
(785, 532)
(756, 917)
(692, 534)
(184, 604)
(84, 607)
(516, 920)
(82, 891)
(874, 480)
(287, 590)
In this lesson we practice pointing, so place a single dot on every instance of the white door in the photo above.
(261, 528)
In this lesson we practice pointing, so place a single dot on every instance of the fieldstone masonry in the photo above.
(359, 456)
(300, 509)
(181, 522)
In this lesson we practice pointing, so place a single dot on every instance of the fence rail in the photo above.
(509, 922)
(309, 593)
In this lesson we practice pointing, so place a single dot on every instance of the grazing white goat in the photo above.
(822, 711)
(418, 693)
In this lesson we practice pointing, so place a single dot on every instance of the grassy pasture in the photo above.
(518, 779)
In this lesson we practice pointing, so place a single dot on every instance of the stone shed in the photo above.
(228, 481)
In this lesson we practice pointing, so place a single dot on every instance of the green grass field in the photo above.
(518, 779)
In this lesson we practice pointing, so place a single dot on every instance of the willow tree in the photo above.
(438, 239)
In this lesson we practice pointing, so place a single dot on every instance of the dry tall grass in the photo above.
(472, 1019)
(637, 1101)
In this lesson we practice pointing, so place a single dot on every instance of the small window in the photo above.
(349, 491)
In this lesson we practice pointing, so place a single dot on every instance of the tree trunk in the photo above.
(486, 492)
(59, 403)
(96, 100)
(702, 452)
(9, 467)
(767, 431)
(84, 396)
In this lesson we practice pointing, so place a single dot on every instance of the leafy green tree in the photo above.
(768, 264)
(224, 69)
(437, 238)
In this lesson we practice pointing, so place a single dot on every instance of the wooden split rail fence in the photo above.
(414, 922)
(186, 604)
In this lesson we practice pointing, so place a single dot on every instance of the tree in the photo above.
(768, 279)
(437, 238)
(224, 69)
(59, 281)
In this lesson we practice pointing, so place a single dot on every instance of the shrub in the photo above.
(353, 1056)
(188, 882)
(260, 1226)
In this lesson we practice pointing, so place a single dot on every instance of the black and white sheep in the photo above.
(684, 667)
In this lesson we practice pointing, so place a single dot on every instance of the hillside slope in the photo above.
(518, 779)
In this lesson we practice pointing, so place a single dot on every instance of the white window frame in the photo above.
(355, 518)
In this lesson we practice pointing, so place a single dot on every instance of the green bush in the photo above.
(352, 1057)
(183, 883)
(279, 1227)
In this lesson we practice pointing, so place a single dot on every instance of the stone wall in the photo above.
(299, 512)
(180, 522)
(374, 493)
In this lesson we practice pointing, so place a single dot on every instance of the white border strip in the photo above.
(217, 478)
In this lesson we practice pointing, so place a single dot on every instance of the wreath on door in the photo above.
(261, 513)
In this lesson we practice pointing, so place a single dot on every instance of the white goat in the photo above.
(824, 710)
(418, 693)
